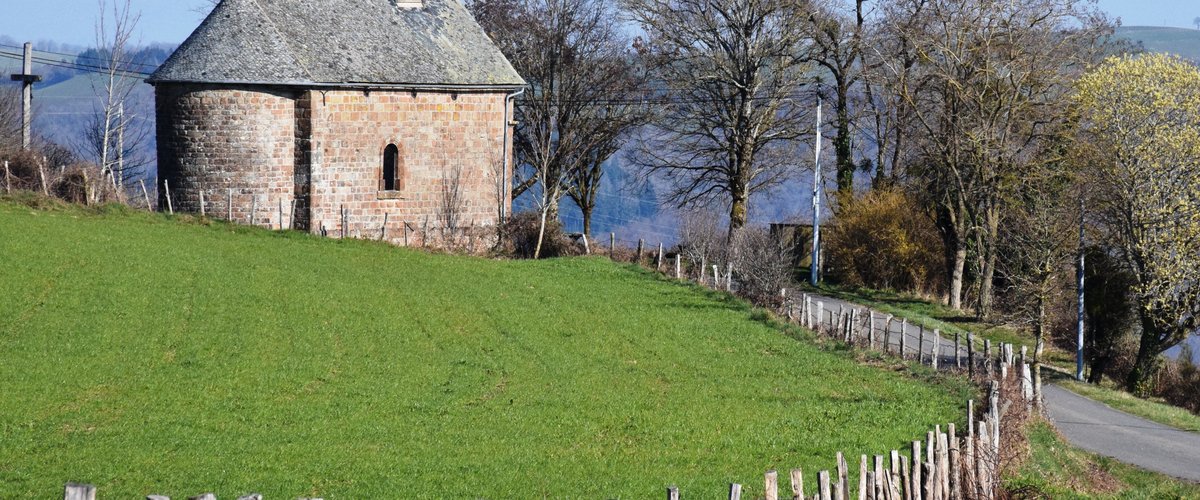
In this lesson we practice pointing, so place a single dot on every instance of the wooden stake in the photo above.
(229, 204)
(672, 493)
(658, 261)
(955, 466)
(45, 187)
(918, 494)
(934, 355)
(612, 246)
(641, 246)
(735, 491)
(202, 207)
(903, 334)
(842, 492)
(862, 477)
(771, 485)
(146, 195)
(167, 188)
(921, 344)
(7, 178)
(823, 483)
(797, 484)
(75, 491)
(678, 267)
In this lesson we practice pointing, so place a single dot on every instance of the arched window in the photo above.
(391, 168)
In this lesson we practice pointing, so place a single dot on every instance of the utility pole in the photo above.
(1079, 277)
(816, 206)
(27, 79)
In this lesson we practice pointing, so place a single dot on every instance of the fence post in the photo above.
(897, 482)
(672, 493)
(658, 261)
(903, 337)
(842, 488)
(612, 246)
(641, 245)
(678, 267)
(921, 345)
(735, 491)
(76, 491)
(955, 465)
(957, 351)
(145, 194)
(916, 471)
(823, 482)
(820, 314)
(935, 354)
(281, 214)
(862, 478)
(797, 483)
(167, 187)
(7, 178)
(203, 212)
(771, 484)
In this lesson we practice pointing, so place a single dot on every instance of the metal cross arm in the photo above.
(27, 79)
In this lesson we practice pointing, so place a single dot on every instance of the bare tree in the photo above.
(837, 47)
(10, 118)
(109, 138)
(733, 72)
(989, 101)
(450, 205)
(575, 114)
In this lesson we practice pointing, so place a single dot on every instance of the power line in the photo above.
(77, 66)
(77, 56)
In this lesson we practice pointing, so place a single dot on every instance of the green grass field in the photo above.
(149, 355)
(1184, 42)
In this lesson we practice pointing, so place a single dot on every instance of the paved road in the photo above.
(1098, 428)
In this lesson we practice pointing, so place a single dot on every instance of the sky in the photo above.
(171, 21)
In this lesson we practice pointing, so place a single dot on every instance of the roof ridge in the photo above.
(282, 38)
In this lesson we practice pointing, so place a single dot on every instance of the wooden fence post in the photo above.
(862, 477)
(921, 345)
(903, 337)
(281, 214)
(678, 266)
(203, 212)
(935, 355)
(612, 246)
(957, 351)
(771, 484)
(42, 173)
(658, 261)
(820, 314)
(842, 489)
(916, 471)
(76, 491)
(204, 496)
(146, 195)
(7, 178)
(167, 186)
(229, 204)
(641, 245)
(897, 482)
(797, 484)
(955, 465)
(823, 482)
(735, 491)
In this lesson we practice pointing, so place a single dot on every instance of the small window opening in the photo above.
(391, 156)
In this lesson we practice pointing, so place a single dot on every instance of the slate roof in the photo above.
(339, 42)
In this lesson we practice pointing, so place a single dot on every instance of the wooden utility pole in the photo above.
(27, 79)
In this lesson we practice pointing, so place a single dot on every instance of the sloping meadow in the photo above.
(147, 355)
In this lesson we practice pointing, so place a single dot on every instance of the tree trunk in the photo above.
(958, 266)
(987, 277)
(1039, 346)
(1147, 358)
(841, 147)
(587, 219)
(537, 251)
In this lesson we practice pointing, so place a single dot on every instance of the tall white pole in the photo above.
(816, 205)
(1080, 277)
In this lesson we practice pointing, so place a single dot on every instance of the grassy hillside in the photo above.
(1179, 41)
(147, 355)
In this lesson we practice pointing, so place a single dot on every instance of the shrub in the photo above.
(520, 237)
(885, 240)
(762, 265)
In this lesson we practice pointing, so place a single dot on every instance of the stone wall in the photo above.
(440, 136)
(317, 153)
(227, 141)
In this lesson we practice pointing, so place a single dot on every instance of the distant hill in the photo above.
(1180, 41)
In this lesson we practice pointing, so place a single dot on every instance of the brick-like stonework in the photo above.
(324, 151)
(216, 139)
